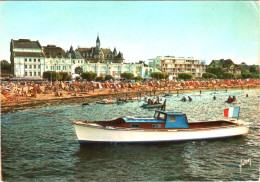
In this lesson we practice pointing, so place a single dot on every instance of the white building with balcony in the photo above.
(174, 65)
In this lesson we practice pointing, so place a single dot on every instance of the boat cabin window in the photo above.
(172, 118)
(162, 116)
(157, 126)
(156, 114)
(135, 125)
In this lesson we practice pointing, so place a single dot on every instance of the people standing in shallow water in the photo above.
(246, 95)
(214, 98)
(190, 99)
(230, 99)
(183, 99)
(234, 99)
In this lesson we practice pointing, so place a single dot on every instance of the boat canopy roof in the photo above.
(171, 112)
(142, 120)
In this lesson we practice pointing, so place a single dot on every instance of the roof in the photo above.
(78, 55)
(28, 54)
(26, 43)
(53, 51)
(106, 51)
(172, 112)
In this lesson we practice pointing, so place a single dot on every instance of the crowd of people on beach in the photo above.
(18, 91)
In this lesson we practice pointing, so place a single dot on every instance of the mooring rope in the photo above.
(54, 116)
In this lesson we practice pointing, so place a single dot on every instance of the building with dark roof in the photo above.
(27, 58)
(56, 59)
(101, 55)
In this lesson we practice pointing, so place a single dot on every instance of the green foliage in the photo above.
(78, 70)
(137, 78)
(252, 69)
(50, 75)
(228, 75)
(216, 71)
(256, 75)
(127, 75)
(63, 76)
(5, 65)
(228, 63)
(209, 75)
(159, 75)
(100, 78)
(89, 76)
(246, 75)
(185, 76)
(109, 77)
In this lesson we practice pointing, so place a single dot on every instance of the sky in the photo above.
(141, 30)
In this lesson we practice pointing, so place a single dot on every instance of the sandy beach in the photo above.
(14, 97)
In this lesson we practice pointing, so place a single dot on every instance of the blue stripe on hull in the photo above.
(158, 141)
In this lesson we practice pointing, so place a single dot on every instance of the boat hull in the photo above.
(99, 134)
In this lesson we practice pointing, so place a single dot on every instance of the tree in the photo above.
(79, 70)
(209, 75)
(62, 76)
(216, 71)
(185, 76)
(100, 78)
(89, 76)
(252, 69)
(246, 75)
(5, 65)
(228, 75)
(50, 75)
(128, 76)
(159, 75)
(109, 77)
(137, 78)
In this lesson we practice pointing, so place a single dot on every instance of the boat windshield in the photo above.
(156, 114)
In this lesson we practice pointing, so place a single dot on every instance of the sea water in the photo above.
(37, 147)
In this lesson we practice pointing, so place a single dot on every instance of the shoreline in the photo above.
(39, 103)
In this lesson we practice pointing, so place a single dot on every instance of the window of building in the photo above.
(39, 60)
(34, 60)
(25, 66)
(25, 59)
(39, 66)
(34, 73)
(30, 66)
(25, 73)
(62, 61)
(39, 73)
(30, 73)
(30, 60)
(34, 66)
(51, 61)
(70, 67)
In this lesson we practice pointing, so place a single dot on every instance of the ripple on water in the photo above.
(38, 147)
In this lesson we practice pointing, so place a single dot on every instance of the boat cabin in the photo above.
(161, 120)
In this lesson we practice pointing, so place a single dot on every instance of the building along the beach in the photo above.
(103, 61)
(56, 59)
(227, 65)
(27, 58)
(174, 65)
(30, 59)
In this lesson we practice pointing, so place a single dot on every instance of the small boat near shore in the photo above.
(164, 126)
(106, 101)
(152, 105)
